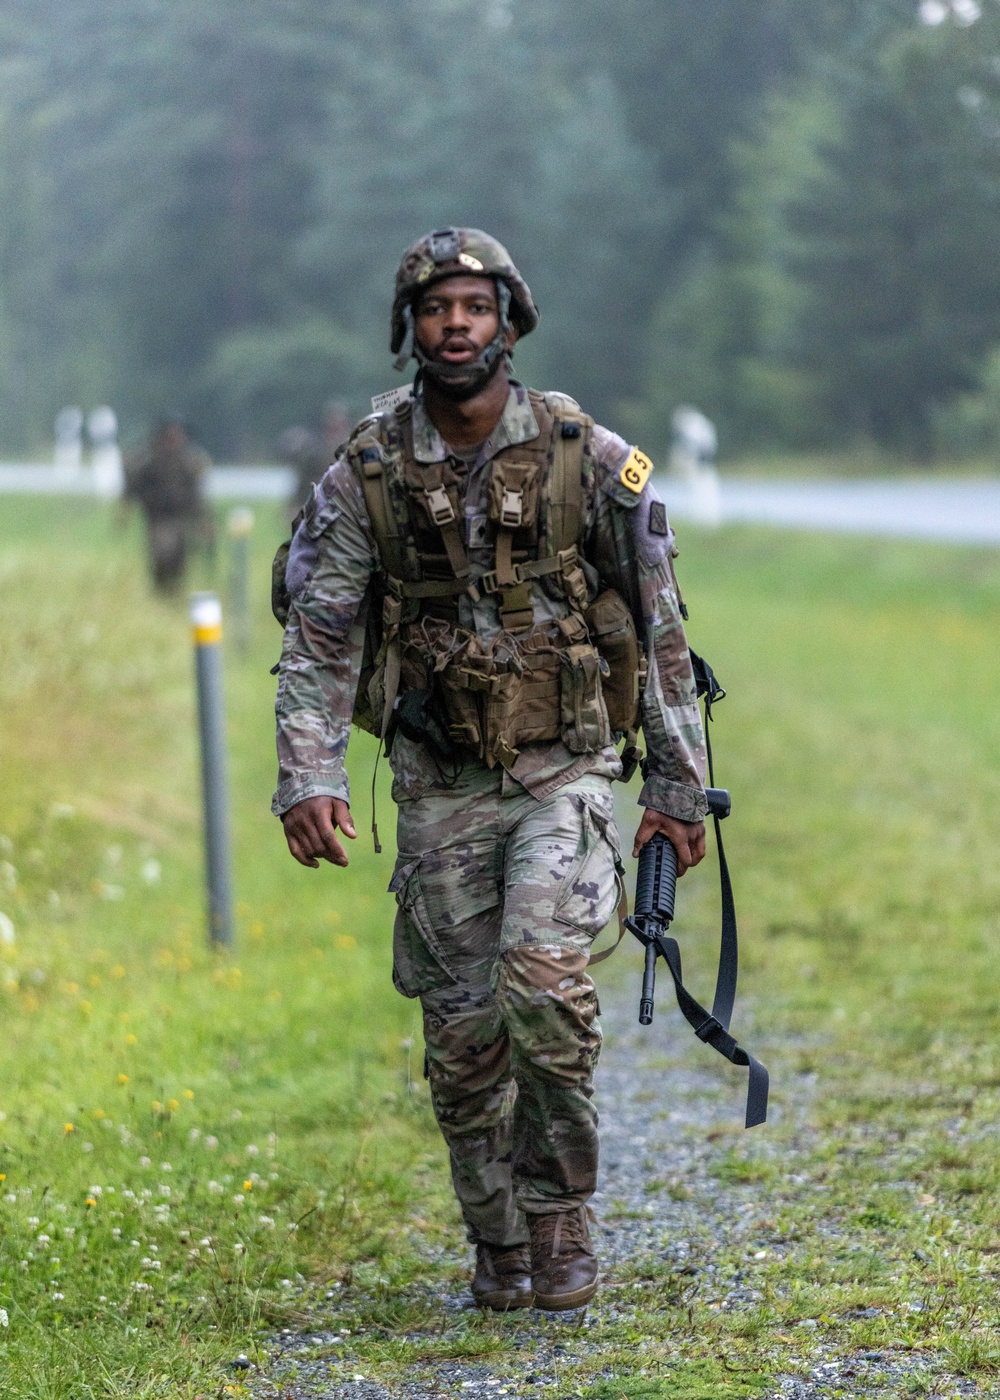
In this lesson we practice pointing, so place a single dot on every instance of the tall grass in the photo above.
(196, 1147)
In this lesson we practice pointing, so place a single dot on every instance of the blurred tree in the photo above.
(899, 234)
(781, 212)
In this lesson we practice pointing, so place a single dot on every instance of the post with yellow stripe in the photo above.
(206, 627)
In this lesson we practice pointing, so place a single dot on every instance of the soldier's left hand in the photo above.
(687, 838)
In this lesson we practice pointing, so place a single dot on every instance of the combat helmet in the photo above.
(448, 252)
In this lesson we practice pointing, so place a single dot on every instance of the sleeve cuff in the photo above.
(289, 794)
(677, 800)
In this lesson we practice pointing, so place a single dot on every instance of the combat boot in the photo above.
(563, 1262)
(503, 1277)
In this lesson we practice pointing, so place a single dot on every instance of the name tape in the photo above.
(636, 471)
(381, 403)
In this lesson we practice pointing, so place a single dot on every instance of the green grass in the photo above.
(281, 1084)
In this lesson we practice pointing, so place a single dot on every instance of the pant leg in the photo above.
(167, 538)
(561, 888)
(445, 947)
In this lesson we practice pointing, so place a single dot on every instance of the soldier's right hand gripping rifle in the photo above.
(656, 885)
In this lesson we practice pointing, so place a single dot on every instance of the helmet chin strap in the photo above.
(460, 382)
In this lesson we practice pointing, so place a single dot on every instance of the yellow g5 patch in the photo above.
(635, 473)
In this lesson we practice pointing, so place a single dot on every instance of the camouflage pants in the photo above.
(500, 897)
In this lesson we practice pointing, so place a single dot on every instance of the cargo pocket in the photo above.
(589, 895)
(419, 963)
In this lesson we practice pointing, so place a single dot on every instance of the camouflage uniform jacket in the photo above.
(626, 543)
(168, 485)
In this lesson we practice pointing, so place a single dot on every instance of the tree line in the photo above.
(784, 213)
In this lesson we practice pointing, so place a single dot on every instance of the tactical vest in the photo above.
(534, 681)
(577, 679)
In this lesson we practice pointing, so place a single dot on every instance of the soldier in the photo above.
(167, 479)
(514, 568)
(304, 450)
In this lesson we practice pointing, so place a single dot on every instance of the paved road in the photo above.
(961, 512)
(229, 483)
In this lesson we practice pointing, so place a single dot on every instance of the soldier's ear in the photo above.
(512, 337)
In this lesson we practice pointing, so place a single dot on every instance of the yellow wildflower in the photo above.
(189, 1093)
(123, 1079)
(248, 1186)
(69, 1128)
(91, 1201)
(157, 1106)
(131, 1039)
(118, 971)
(173, 1105)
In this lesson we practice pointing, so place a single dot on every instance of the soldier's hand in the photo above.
(311, 830)
(687, 838)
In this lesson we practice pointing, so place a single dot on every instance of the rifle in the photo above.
(655, 891)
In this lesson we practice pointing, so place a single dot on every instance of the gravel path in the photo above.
(670, 1109)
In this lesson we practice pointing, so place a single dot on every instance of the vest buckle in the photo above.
(511, 507)
(441, 509)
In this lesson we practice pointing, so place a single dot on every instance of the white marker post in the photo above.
(206, 627)
(240, 527)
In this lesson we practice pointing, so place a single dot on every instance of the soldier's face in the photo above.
(456, 320)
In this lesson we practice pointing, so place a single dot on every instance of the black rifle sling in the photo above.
(714, 1028)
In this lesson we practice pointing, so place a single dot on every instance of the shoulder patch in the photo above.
(636, 471)
(658, 518)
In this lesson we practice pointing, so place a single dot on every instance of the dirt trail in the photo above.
(670, 1112)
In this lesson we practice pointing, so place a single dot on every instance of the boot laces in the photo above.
(564, 1232)
(513, 1260)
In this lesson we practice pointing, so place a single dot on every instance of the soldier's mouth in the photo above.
(457, 352)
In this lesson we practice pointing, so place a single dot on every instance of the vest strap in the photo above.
(441, 509)
(565, 562)
(426, 588)
(571, 433)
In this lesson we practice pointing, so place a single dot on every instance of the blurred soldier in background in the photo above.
(510, 566)
(306, 452)
(337, 427)
(167, 480)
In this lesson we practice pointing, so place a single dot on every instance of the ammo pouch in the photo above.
(612, 630)
(513, 498)
(494, 698)
(585, 726)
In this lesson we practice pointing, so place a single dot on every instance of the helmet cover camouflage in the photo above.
(451, 251)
